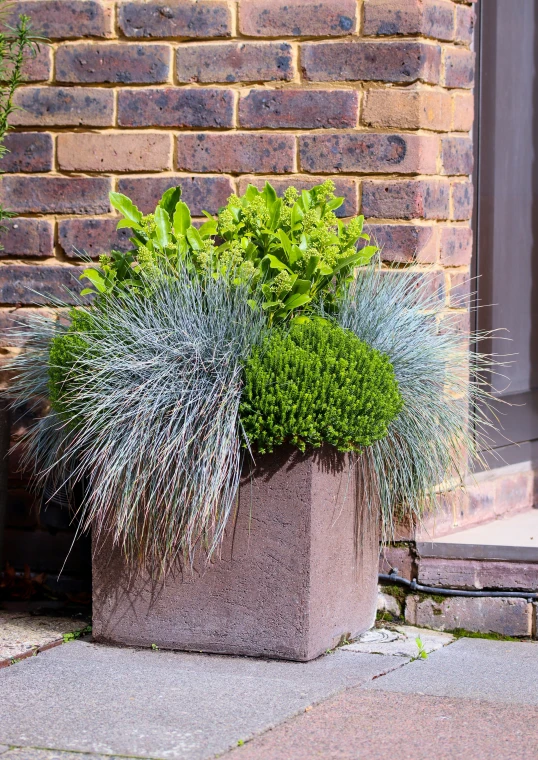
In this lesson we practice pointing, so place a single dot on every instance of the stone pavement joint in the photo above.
(400, 641)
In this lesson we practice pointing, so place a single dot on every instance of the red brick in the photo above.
(509, 617)
(63, 107)
(297, 18)
(306, 109)
(199, 193)
(395, 61)
(92, 237)
(236, 152)
(344, 187)
(460, 290)
(111, 62)
(175, 18)
(176, 107)
(476, 574)
(369, 153)
(399, 557)
(235, 62)
(407, 109)
(55, 195)
(459, 67)
(405, 243)
(456, 246)
(411, 199)
(28, 152)
(27, 237)
(64, 19)
(430, 18)
(465, 20)
(11, 322)
(458, 322)
(463, 111)
(131, 152)
(21, 283)
(457, 155)
(36, 68)
(462, 198)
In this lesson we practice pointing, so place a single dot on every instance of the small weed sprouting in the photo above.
(155, 648)
(74, 635)
(422, 653)
(240, 742)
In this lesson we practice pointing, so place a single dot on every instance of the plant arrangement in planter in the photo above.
(267, 335)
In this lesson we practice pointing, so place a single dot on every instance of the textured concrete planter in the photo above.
(297, 572)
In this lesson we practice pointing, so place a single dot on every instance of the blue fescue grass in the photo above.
(445, 419)
(158, 443)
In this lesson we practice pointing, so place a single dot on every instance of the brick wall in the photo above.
(213, 94)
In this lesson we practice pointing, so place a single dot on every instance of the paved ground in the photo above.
(512, 530)
(470, 699)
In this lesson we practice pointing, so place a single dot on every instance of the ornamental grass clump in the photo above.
(267, 325)
(317, 383)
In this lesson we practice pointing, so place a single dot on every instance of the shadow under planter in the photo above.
(297, 571)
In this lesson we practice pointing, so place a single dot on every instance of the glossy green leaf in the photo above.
(182, 219)
(162, 227)
(125, 206)
(170, 200)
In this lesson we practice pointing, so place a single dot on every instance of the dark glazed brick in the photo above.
(413, 199)
(369, 153)
(395, 61)
(176, 107)
(344, 187)
(459, 67)
(236, 152)
(63, 107)
(27, 237)
(55, 195)
(64, 19)
(462, 200)
(297, 18)
(235, 62)
(21, 283)
(457, 153)
(460, 290)
(306, 109)
(28, 152)
(175, 18)
(431, 18)
(36, 68)
(465, 20)
(109, 62)
(404, 243)
(199, 193)
(92, 237)
(456, 246)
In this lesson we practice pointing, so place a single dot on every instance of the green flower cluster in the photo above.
(315, 383)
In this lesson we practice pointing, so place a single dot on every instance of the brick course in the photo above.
(214, 96)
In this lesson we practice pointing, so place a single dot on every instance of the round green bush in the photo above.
(316, 383)
(65, 349)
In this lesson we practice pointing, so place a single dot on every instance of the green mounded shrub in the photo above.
(65, 349)
(317, 383)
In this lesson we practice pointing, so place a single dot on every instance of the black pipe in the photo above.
(393, 577)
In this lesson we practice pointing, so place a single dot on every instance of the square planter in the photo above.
(296, 573)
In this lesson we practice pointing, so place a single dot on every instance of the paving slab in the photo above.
(399, 641)
(22, 634)
(30, 753)
(371, 725)
(165, 705)
(493, 671)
